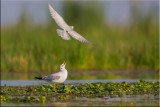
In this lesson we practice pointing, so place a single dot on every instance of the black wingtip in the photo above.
(39, 78)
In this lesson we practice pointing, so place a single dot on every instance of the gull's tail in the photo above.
(39, 78)
(63, 34)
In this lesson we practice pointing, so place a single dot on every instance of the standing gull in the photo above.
(66, 28)
(58, 77)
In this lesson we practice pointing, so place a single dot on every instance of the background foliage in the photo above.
(27, 47)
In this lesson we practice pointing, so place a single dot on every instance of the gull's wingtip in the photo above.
(39, 78)
(88, 42)
(49, 5)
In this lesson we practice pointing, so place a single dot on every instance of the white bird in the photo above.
(58, 77)
(66, 28)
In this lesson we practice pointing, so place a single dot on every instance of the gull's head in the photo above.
(62, 66)
(71, 27)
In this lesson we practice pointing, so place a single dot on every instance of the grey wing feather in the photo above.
(77, 36)
(63, 34)
(51, 77)
(58, 19)
(55, 77)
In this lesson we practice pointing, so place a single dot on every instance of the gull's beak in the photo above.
(64, 63)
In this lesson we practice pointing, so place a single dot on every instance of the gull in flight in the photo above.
(66, 28)
(58, 77)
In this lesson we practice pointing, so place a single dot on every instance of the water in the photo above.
(86, 75)
(137, 100)
(126, 100)
(37, 82)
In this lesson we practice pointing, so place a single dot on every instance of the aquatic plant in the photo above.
(44, 93)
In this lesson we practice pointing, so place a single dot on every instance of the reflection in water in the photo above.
(38, 82)
(134, 100)
(86, 75)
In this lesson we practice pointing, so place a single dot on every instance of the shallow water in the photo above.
(137, 100)
(126, 100)
(37, 82)
(86, 75)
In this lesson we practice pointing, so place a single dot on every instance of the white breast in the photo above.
(63, 77)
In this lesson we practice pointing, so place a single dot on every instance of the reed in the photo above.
(25, 47)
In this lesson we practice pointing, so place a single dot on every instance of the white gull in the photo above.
(66, 28)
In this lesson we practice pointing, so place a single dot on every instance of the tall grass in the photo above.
(38, 48)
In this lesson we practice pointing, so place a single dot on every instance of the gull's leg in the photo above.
(54, 85)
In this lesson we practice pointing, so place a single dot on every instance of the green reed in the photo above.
(25, 47)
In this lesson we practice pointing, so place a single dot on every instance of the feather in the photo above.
(63, 34)
(39, 78)
(62, 24)
(58, 19)
(77, 36)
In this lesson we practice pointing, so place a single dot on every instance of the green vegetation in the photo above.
(25, 47)
(47, 93)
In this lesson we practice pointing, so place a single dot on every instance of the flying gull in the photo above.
(66, 28)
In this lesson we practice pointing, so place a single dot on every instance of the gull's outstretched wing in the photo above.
(58, 19)
(63, 34)
(77, 36)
